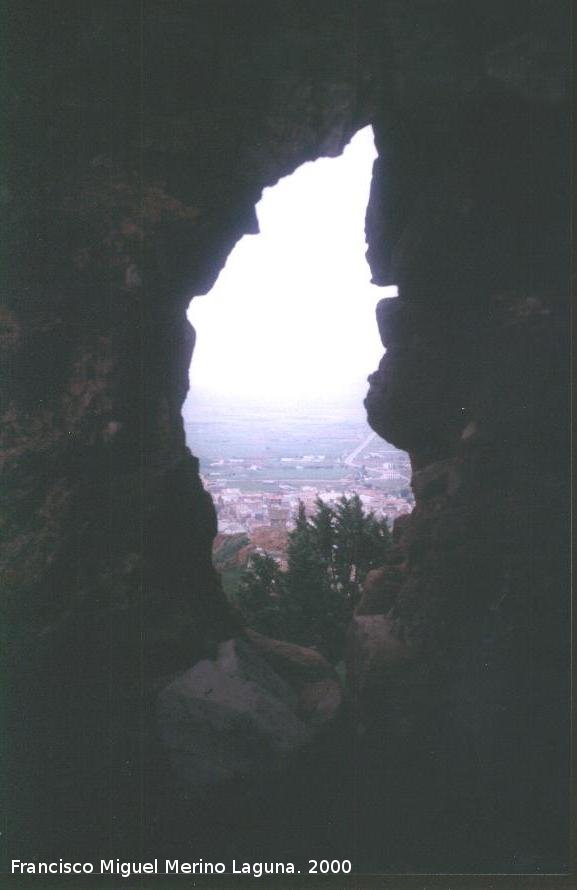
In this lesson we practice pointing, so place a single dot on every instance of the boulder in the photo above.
(234, 717)
(308, 672)
(298, 665)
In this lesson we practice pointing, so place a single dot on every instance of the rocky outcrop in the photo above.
(379, 591)
(373, 647)
(319, 690)
(234, 717)
(127, 192)
(474, 385)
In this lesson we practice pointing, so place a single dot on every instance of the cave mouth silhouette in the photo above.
(279, 371)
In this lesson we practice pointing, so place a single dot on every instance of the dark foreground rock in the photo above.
(234, 717)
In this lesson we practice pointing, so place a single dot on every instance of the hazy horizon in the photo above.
(207, 405)
(289, 326)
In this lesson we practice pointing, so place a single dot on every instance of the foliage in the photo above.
(261, 595)
(329, 555)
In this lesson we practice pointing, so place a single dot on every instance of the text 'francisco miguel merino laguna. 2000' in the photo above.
(178, 867)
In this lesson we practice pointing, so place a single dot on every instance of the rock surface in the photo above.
(234, 717)
(379, 591)
(372, 647)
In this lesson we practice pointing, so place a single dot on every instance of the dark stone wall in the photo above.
(475, 386)
(139, 139)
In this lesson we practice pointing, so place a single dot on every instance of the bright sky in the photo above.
(291, 317)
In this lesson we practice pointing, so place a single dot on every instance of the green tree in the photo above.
(322, 526)
(361, 544)
(329, 555)
(260, 595)
(317, 613)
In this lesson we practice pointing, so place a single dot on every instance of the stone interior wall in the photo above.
(140, 137)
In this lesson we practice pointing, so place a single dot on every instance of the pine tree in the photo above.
(260, 595)
(328, 557)
(323, 527)
(362, 542)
